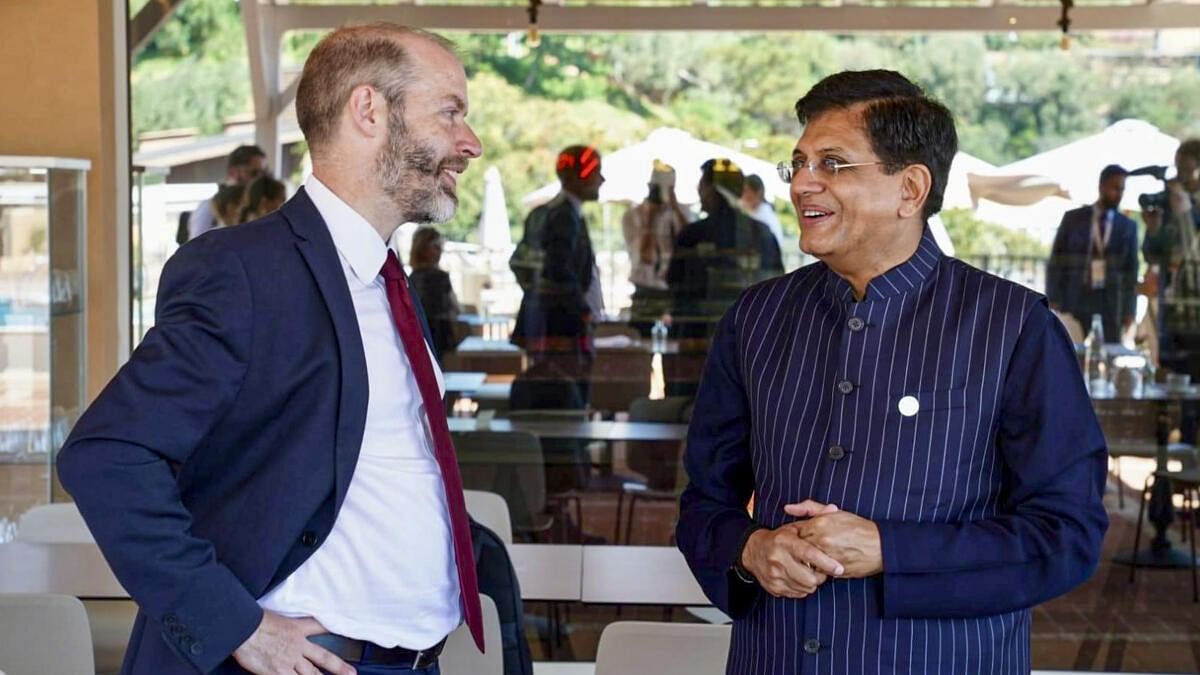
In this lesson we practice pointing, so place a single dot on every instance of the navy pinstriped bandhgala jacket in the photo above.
(987, 492)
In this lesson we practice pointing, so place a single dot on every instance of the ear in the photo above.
(915, 183)
(367, 111)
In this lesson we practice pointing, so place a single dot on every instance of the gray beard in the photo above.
(409, 175)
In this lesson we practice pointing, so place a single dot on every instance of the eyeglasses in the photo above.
(827, 168)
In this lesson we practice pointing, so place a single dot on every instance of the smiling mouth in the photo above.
(814, 216)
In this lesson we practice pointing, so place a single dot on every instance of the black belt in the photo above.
(360, 651)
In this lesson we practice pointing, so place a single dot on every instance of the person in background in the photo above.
(226, 205)
(1172, 252)
(720, 255)
(1093, 264)
(431, 284)
(754, 203)
(244, 164)
(264, 195)
(650, 229)
(562, 292)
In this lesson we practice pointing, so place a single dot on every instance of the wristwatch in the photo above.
(742, 573)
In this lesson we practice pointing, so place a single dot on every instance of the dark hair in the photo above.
(755, 183)
(260, 190)
(904, 126)
(374, 54)
(242, 155)
(423, 238)
(227, 203)
(1112, 170)
(1190, 148)
(723, 173)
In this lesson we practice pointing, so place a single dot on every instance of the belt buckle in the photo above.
(420, 662)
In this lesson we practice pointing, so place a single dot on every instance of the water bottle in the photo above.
(1096, 358)
(1149, 371)
(658, 337)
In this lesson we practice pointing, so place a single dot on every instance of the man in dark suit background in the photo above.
(720, 255)
(1094, 262)
(271, 475)
(563, 295)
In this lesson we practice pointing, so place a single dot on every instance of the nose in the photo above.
(469, 144)
(804, 182)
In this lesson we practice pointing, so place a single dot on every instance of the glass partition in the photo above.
(42, 323)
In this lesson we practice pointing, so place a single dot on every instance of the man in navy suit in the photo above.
(271, 476)
(1094, 262)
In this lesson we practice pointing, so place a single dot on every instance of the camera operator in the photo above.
(1172, 245)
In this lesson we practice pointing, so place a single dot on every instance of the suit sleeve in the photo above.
(1056, 265)
(1129, 276)
(712, 509)
(119, 462)
(1046, 537)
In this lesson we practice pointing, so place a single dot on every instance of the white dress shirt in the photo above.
(201, 220)
(386, 573)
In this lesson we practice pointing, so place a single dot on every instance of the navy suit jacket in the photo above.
(215, 461)
(1067, 269)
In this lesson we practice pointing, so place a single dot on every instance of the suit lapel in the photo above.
(316, 247)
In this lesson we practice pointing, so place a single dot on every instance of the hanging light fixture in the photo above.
(533, 39)
(1064, 23)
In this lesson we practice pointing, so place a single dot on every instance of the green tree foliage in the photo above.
(1013, 95)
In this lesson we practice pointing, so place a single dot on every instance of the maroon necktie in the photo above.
(413, 338)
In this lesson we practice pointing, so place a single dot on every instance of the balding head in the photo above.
(379, 55)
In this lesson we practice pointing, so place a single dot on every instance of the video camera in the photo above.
(1152, 201)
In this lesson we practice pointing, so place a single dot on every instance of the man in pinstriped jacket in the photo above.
(923, 456)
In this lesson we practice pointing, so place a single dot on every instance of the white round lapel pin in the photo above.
(908, 406)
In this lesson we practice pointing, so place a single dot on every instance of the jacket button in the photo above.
(812, 645)
(837, 452)
(309, 538)
(195, 649)
(856, 324)
(845, 386)
(170, 620)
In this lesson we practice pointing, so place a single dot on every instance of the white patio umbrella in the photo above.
(494, 233)
(1076, 167)
(627, 171)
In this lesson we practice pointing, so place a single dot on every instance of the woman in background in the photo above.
(432, 287)
(264, 195)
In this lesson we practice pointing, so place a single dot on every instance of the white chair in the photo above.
(53, 524)
(461, 657)
(490, 510)
(111, 621)
(44, 635)
(662, 648)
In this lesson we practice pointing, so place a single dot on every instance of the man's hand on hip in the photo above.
(850, 539)
(280, 646)
(784, 564)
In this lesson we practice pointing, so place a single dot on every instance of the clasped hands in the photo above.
(792, 561)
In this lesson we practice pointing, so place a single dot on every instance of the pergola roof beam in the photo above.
(846, 19)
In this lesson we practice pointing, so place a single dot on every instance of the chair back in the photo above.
(490, 510)
(509, 464)
(662, 648)
(59, 523)
(460, 656)
(42, 634)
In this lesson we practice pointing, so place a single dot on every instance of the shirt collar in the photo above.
(901, 279)
(356, 241)
(576, 202)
